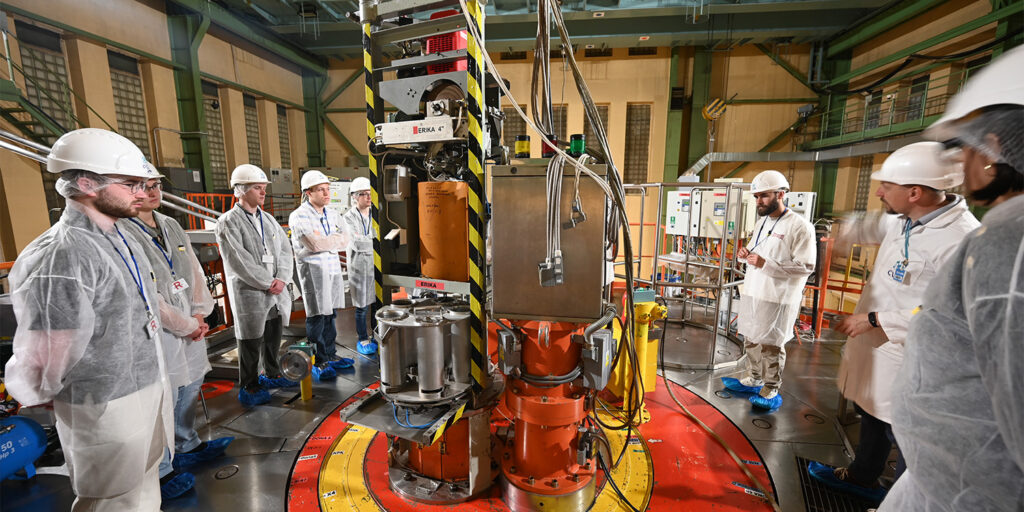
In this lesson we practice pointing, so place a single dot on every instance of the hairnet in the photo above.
(1007, 124)
(242, 188)
(67, 185)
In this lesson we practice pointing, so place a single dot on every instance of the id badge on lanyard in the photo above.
(152, 326)
(179, 285)
(898, 272)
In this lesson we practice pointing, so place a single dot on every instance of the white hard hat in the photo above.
(312, 179)
(98, 151)
(920, 163)
(358, 185)
(247, 174)
(767, 181)
(999, 83)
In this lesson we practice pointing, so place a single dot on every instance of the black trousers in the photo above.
(264, 349)
(876, 442)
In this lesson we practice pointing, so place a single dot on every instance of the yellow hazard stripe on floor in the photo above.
(341, 487)
(634, 475)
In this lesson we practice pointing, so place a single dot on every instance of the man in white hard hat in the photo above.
(957, 409)
(923, 226)
(359, 227)
(184, 303)
(318, 236)
(88, 327)
(258, 265)
(779, 256)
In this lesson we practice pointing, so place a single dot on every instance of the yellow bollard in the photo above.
(645, 313)
(306, 384)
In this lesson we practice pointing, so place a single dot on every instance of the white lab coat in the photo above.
(316, 241)
(360, 257)
(770, 296)
(872, 360)
(242, 249)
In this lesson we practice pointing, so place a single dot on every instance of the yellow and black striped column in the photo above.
(372, 100)
(477, 249)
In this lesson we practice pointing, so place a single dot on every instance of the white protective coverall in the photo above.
(316, 241)
(255, 252)
(957, 413)
(83, 341)
(872, 360)
(174, 260)
(360, 257)
(770, 296)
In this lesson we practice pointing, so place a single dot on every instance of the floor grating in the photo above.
(819, 498)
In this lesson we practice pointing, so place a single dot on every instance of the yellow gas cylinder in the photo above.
(444, 235)
(645, 312)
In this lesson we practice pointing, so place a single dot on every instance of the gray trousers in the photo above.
(765, 362)
(267, 348)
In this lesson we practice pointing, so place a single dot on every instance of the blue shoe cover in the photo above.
(367, 347)
(827, 476)
(342, 363)
(769, 404)
(325, 373)
(734, 385)
(255, 398)
(177, 486)
(279, 382)
(214, 449)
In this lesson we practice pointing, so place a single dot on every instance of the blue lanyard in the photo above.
(906, 242)
(263, 237)
(365, 225)
(324, 223)
(758, 240)
(157, 243)
(137, 276)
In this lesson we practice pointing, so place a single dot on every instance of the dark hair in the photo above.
(1007, 179)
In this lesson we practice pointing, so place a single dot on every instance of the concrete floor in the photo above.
(254, 474)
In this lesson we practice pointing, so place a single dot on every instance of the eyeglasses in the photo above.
(156, 186)
(133, 186)
(363, 194)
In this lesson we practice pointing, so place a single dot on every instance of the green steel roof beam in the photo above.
(770, 101)
(344, 140)
(344, 85)
(252, 91)
(885, 20)
(89, 35)
(945, 36)
(795, 73)
(186, 32)
(312, 87)
(225, 19)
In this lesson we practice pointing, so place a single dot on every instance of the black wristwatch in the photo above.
(873, 319)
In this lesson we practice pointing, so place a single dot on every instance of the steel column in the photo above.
(186, 32)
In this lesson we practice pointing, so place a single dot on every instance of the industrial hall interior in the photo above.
(286, 255)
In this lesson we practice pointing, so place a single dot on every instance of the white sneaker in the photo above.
(768, 393)
(751, 382)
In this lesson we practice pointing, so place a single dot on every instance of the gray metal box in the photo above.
(597, 359)
(518, 245)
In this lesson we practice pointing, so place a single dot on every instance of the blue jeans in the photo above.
(185, 436)
(322, 332)
(361, 321)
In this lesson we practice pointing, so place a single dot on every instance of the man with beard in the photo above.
(923, 226)
(184, 301)
(88, 327)
(779, 257)
(957, 408)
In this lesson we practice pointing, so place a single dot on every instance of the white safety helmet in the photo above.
(358, 185)
(248, 174)
(999, 83)
(767, 181)
(920, 163)
(312, 179)
(98, 151)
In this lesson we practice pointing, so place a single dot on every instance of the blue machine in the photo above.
(22, 441)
